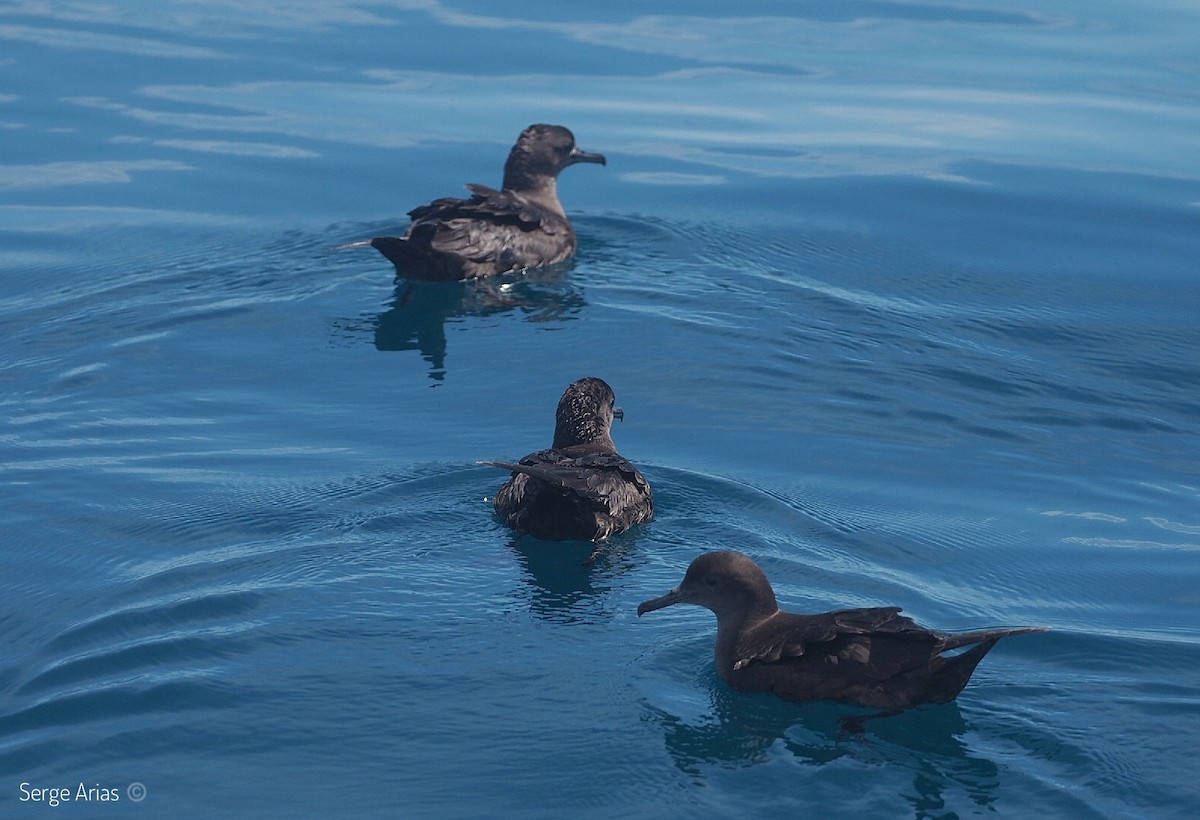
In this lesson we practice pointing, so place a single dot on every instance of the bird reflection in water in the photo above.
(929, 743)
(417, 316)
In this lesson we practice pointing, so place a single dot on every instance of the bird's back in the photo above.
(574, 493)
(869, 657)
(491, 232)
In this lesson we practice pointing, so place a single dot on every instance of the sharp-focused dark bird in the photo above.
(867, 657)
(522, 226)
(581, 489)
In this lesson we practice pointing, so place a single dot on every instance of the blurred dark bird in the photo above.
(581, 489)
(521, 226)
(866, 657)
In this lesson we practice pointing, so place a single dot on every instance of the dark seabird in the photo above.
(521, 226)
(866, 657)
(581, 489)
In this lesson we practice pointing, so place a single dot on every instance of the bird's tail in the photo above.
(549, 476)
(957, 639)
(503, 465)
(953, 671)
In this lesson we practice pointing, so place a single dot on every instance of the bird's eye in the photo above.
(710, 580)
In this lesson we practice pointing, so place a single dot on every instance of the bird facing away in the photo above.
(581, 489)
(521, 226)
(866, 657)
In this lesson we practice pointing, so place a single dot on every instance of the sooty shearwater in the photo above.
(581, 489)
(866, 657)
(522, 226)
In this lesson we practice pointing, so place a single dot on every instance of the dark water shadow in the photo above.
(749, 729)
(418, 313)
(569, 581)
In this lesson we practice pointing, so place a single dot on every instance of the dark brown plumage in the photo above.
(581, 489)
(521, 226)
(867, 657)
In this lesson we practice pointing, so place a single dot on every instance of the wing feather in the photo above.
(845, 636)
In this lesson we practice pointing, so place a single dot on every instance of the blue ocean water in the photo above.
(899, 298)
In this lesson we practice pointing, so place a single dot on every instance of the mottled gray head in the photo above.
(725, 582)
(541, 152)
(585, 414)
